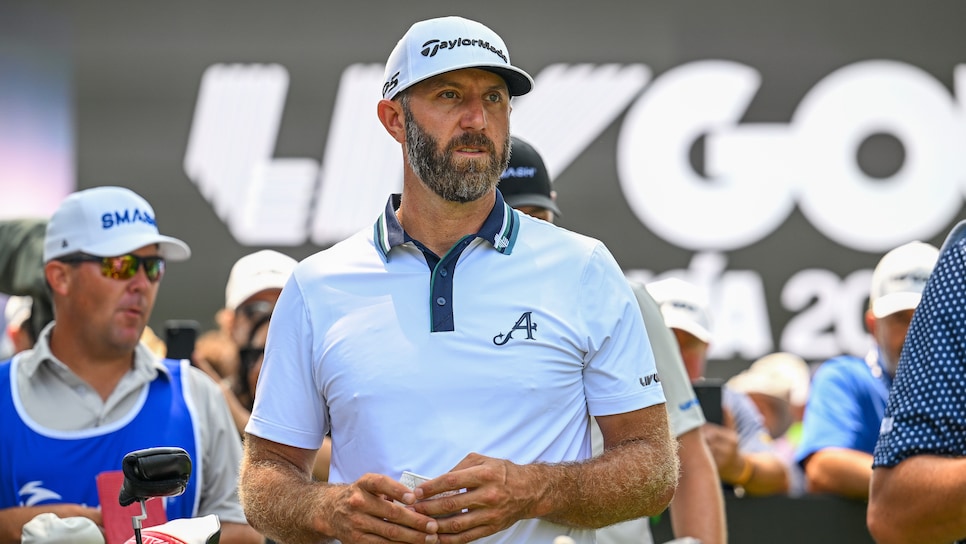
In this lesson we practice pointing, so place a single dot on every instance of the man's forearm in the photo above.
(628, 481)
(922, 499)
(239, 533)
(840, 471)
(280, 502)
(698, 506)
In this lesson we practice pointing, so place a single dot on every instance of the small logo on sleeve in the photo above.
(650, 379)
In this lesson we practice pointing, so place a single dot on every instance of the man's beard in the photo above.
(453, 180)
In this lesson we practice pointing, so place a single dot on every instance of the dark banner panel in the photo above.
(769, 152)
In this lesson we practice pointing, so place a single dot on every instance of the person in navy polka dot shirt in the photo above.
(918, 490)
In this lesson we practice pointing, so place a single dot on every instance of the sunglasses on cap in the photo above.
(123, 267)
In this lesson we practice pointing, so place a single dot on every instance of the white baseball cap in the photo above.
(444, 44)
(747, 381)
(781, 374)
(683, 306)
(17, 310)
(900, 277)
(107, 222)
(256, 272)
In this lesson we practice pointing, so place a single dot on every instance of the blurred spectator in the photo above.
(20, 335)
(237, 348)
(698, 506)
(742, 447)
(918, 490)
(254, 283)
(253, 286)
(849, 394)
(22, 267)
(89, 391)
(778, 385)
(525, 184)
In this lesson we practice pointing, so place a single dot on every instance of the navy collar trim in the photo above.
(500, 228)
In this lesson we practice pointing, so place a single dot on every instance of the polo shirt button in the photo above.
(441, 301)
(443, 272)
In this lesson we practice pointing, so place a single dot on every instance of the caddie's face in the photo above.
(110, 313)
(458, 132)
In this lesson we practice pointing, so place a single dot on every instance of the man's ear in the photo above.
(870, 322)
(57, 277)
(391, 116)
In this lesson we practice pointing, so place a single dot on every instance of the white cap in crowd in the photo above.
(683, 306)
(256, 272)
(17, 310)
(444, 44)
(781, 375)
(107, 222)
(900, 277)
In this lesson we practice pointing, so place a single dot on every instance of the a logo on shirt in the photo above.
(649, 379)
(525, 323)
(31, 494)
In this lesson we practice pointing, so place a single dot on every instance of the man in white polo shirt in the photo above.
(438, 342)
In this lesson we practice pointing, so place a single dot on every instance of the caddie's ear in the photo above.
(393, 118)
(58, 277)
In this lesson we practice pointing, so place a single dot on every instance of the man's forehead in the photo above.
(464, 77)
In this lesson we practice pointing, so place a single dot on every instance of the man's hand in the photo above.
(723, 443)
(497, 494)
(722, 440)
(282, 502)
(365, 509)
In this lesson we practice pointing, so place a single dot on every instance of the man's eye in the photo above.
(448, 94)
(494, 97)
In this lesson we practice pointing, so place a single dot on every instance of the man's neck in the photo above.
(102, 369)
(437, 223)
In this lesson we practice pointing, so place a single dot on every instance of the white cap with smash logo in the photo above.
(107, 222)
(444, 44)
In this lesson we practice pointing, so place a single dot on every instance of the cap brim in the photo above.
(541, 201)
(687, 325)
(896, 302)
(262, 282)
(517, 81)
(171, 249)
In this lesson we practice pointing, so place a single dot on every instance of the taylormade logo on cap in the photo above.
(431, 47)
(444, 44)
